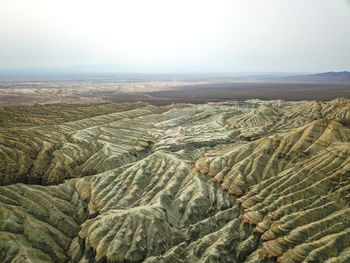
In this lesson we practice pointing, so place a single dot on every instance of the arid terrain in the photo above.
(168, 91)
(174, 131)
(235, 181)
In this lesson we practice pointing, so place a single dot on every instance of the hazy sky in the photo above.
(177, 35)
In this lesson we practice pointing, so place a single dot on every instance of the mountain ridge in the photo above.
(239, 181)
(331, 76)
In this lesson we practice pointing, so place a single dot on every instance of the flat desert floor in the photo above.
(164, 92)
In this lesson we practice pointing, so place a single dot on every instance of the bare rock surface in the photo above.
(253, 181)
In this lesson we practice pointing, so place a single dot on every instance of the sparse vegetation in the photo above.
(254, 181)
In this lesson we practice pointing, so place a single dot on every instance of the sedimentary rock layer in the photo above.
(253, 181)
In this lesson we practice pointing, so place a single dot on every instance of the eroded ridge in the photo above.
(253, 181)
(294, 188)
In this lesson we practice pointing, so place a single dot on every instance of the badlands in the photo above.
(239, 181)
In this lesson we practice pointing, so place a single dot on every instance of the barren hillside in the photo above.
(253, 181)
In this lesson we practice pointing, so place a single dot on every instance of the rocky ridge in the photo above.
(253, 181)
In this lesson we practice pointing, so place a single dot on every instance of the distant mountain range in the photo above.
(126, 71)
(343, 76)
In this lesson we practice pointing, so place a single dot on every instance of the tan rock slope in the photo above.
(253, 181)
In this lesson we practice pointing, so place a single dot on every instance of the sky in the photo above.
(177, 36)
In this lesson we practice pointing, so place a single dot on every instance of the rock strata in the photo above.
(254, 181)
